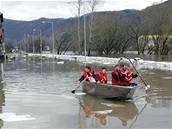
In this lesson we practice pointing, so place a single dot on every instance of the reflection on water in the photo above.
(98, 108)
(42, 91)
(2, 102)
(2, 95)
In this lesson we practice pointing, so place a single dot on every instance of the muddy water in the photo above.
(37, 95)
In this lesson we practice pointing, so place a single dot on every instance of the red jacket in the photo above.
(86, 74)
(128, 77)
(103, 77)
(115, 77)
(91, 72)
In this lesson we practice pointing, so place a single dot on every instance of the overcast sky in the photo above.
(34, 9)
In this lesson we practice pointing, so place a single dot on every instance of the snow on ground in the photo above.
(139, 63)
(12, 117)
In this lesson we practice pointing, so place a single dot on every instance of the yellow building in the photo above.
(149, 40)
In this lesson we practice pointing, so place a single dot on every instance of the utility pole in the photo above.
(33, 44)
(40, 37)
(53, 37)
(85, 34)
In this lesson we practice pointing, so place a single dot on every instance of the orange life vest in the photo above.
(88, 74)
(116, 79)
(127, 78)
(103, 77)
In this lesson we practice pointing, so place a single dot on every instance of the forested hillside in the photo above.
(108, 33)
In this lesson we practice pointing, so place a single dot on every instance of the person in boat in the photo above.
(127, 74)
(122, 74)
(101, 76)
(116, 75)
(87, 74)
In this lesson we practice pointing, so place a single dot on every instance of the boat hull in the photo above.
(108, 91)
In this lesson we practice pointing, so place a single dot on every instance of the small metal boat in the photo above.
(108, 91)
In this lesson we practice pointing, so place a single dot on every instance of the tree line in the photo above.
(149, 32)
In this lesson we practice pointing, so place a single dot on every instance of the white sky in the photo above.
(34, 9)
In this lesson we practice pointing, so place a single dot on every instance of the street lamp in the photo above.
(53, 40)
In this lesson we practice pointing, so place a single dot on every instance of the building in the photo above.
(150, 40)
(157, 44)
(2, 45)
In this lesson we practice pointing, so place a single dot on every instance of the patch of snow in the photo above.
(80, 93)
(12, 117)
(60, 62)
(138, 62)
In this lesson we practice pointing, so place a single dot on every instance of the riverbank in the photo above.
(139, 63)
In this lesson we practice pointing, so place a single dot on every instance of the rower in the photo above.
(101, 76)
(128, 74)
(88, 74)
(122, 74)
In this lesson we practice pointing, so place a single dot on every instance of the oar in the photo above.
(146, 85)
(138, 114)
(73, 91)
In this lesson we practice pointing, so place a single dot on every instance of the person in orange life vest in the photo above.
(116, 74)
(101, 76)
(127, 74)
(87, 74)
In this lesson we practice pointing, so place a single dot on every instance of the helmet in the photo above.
(123, 63)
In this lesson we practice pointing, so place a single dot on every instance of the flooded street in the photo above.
(37, 95)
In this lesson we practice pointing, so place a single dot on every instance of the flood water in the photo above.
(37, 95)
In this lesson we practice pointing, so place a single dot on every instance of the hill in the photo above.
(15, 30)
(112, 32)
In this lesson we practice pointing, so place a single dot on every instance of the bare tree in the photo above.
(28, 41)
(159, 22)
(107, 36)
(135, 32)
(79, 4)
(92, 7)
(124, 38)
(139, 32)
(63, 42)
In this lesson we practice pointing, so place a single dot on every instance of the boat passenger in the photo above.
(122, 74)
(101, 76)
(127, 74)
(115, 75)
(87, 74)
